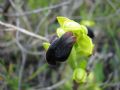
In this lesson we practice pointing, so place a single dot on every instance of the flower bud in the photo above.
(79, 75)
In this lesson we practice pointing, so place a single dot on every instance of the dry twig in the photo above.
(23, 31)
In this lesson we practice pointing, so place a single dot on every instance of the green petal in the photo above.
(60, 32)
(63, 21)
(70, 25)
(46, 45)
(85, 45)
(84, 29)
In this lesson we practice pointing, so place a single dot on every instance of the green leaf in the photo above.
(38, 71)
(98, 71)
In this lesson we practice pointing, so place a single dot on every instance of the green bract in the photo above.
(83, 45)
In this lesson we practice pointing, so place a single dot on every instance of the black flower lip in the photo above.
(90, 33)
(60, 48)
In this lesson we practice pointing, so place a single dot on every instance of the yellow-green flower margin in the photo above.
(83, 45)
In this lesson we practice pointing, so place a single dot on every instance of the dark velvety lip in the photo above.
(90, 33)
(73, 39)
(60, 49)
(67, 34)
(52, 63)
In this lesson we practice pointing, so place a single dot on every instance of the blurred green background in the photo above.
(22, 57)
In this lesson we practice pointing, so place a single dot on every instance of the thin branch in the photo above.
(39, 10)
(18, 9)
(23, 59)
(110, 84)
(23, 31)
(39, 24)
(24, 49)
(21, 69)
(100, 18)
(6, 6)
(7, 44)
(53, 86)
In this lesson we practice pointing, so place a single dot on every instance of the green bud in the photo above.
(79, 75)
(88, 23)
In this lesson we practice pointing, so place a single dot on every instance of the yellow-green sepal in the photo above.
(67, 24)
